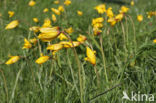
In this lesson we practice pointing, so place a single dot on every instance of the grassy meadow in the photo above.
(125, 52)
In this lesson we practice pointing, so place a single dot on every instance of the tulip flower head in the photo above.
(12, 60)
(12, 24)
(27, 44)
(11, 14)
(42, 59)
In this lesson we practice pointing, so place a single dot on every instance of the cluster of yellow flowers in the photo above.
(47, 33)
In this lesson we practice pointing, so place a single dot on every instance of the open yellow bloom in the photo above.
(69, 30)
(55, 47)
(67, 2)
(47, 23)
(42, 59)
(140, 18)
(132, 3)
(11, 14)
(62, 36)
(81, 38)
(56, 2)
(49, 35)
(124, 9)
(32, 3)
(12, 24)
(154, 41)
(151, 13)
(56, 11)
(61, 8)
(67, 44)
(45, 10)
(112, 21)
(13, 59)
(90, 56)
(54, 18)
(97, 20)
(119, 17)
(96, 31)
(34, 41)
(80, 13)
(109, 12)
(27, 44)
(101, 8)
(35, 20)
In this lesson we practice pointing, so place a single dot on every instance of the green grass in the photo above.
(128, 54)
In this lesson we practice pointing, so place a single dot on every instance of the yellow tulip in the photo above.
(50, 34)
(55, 47)
(56, 11)
(13, 59)
(42, 59)
(11, 14)
(67, 2)
(80, 13)
(119, 17)
(32, 3)
(56, 2)
(45, 10)
(90, 56)
(132, 3)
(54, 18)
(69, 30)
(96, 31)
(81, 38)
(34, 41)
(67, 44)
(112, 21)
(124, 9)
(47, 23)
(154, 41)
(140, 18)
(48, 29)
(101, 8)
(35, 20)
(62, 36)
(109, 12)
(61, 8)
(12, 24)
(27, 44)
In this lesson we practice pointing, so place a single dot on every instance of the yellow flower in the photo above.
(97, 20)
(35, 20)
(27, 44)
(62, 36)
(13, 59)
(140, 18)
(119, 17)
(34, 29)
(12, 24)
(54, 18)
(90, 56)
(50, 34)
(81, 38)
(56, 2)
(67, 44)
(42, 59)
(55, 47)
(124, 9)
(56, 11)
(32, 3)
(96, 31)
(80, 13)
(112, 21)
(45, 10)
(101, 8)
(132, 3)
(61, 8)
(11, 14)
(154, 41)
(47, 23)
(109, 12)
(151, 13)
(67, 2)
(69, 30)
(34, 41)
(48, 29)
